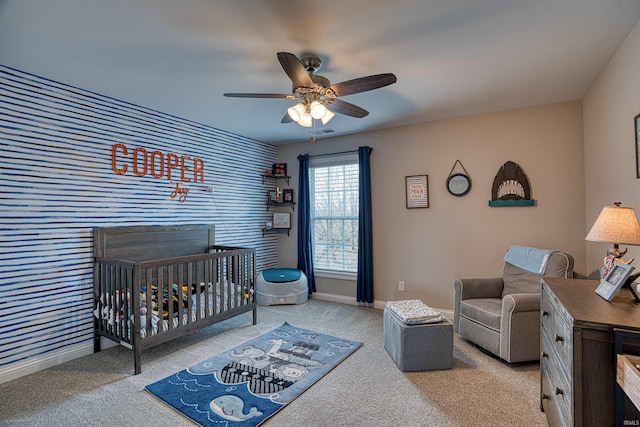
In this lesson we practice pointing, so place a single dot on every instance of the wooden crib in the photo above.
(153, 284)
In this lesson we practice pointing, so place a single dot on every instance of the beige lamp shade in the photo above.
(615, 224)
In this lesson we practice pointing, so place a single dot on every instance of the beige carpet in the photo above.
(367, 389)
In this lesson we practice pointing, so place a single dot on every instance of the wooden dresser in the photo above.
(578, 363)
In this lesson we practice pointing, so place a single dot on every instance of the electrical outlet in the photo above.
(401, 285)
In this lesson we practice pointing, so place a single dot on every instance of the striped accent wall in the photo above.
(61, 177)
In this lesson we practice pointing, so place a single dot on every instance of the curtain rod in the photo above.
(338, 153)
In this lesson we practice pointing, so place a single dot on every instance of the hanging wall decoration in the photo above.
(279, 169)
(143, 162)
(287, 195)
(511, 187)
(417, 191)
(458, 184)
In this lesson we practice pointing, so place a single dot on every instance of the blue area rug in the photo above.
(248, 384)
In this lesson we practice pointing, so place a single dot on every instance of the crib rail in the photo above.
(140, 304)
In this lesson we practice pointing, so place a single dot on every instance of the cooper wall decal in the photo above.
(158, 165)
(511, 187)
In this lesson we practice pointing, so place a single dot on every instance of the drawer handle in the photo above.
(545, 313)
(559, 391)
(545, 354)
(559, 338)
(546, 397)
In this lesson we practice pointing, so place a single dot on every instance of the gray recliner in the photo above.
(502, 314)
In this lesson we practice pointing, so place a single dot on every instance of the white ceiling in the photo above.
(451, 57)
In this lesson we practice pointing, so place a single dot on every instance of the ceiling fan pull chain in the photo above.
(313, 131)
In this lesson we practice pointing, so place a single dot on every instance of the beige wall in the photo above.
(610, 171)
(455, 237)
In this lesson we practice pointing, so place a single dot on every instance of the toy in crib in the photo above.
(165, 298)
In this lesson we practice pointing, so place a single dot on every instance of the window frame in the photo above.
(327, 161)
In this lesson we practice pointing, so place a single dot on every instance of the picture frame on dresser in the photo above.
(616, 277)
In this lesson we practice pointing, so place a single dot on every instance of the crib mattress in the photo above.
(159, 320)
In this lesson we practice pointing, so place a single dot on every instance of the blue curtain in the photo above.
(364, 281)
(305, 249)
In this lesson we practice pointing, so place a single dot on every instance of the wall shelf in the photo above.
(275, 231)
(292, 205)
(275, 178)
(271, 204)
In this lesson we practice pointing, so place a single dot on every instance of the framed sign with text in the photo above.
(417, 191)
(282, 220)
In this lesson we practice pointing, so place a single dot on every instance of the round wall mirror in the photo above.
(459, 184)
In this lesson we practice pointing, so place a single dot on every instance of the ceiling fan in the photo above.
(318, 97)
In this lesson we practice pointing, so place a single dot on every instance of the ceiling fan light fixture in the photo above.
(296, 112)
(317, 110)
(327, 116)
(316, 92)
(305, 120)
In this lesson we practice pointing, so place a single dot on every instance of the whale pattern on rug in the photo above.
(249, 383)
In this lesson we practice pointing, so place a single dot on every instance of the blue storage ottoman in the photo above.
(417, 337)
(281, 286)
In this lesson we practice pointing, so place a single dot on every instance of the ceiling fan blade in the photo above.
(286, 119)
(346, 108)
(363, 84)
(295, 70)
(260, 95)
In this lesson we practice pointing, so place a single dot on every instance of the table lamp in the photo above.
(617, 225)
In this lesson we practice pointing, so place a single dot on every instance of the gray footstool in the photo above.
(419, 347)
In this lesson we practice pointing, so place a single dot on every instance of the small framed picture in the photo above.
(281, 220)
(614, 280)
(279, 169)
(287, 195)
(272, 196)
(417, 191)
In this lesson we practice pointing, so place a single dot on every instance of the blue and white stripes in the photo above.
(58, 183)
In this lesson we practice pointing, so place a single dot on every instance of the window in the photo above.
(334, 213)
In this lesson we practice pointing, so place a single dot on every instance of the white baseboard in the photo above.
(343, 299)
(45, 361)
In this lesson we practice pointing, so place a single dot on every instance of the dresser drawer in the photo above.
(586, 322)
(556, 361)
(553, 314)
(557, 332)
(556, 392)
(556, 353)
(558, 340)
(549, 406)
